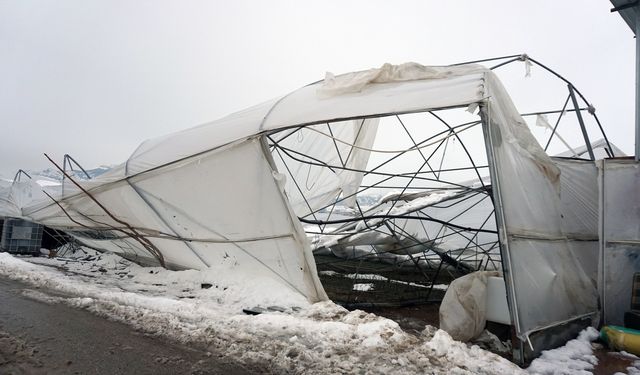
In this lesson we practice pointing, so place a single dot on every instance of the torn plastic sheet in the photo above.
(541, 121)
(354, 82)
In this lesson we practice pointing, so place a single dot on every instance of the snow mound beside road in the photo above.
(205, 308)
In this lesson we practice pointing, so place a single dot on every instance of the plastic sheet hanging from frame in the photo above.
(224, 209)
(545, 253)
(620, 241)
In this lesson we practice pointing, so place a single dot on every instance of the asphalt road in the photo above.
(42, 338)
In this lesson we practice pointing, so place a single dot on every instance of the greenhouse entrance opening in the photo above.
(395, 207)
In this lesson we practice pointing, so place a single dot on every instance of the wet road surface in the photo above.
(42, 338)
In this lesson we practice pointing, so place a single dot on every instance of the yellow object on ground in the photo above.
(621, 338)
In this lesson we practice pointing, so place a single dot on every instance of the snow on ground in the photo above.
(576, 357)
(363, 287)
(47, 182)
(368, 276)
(205, 308)
(634, 369)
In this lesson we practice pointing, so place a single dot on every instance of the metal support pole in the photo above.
(503, 238)
(18, 174)
(587, 142)
(67, 162)
(637, 30)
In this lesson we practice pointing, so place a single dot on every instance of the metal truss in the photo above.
(19, 174)
(412, 222)
(579, 106)
(67, 165)
(422, 214)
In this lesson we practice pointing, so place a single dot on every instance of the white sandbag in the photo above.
(463, 309)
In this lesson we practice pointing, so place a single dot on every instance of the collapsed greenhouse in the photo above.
(300, 189)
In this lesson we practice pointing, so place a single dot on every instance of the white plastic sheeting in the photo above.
(322, 185)
(580, 212)
(357, 81)
(600, 149)
(497, 305)
(8, 206)
(620, 241)
(18, 194)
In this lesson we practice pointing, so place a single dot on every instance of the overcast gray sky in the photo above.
(96, 78)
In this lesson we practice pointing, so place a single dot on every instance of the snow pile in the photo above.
(203, 308)
(46, 182)
(576, 357)
(634, 369)
(423, 202)
(215, 289)
(371, 276)
(363, 287)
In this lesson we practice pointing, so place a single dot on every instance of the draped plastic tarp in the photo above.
(463, 312)
(224, 208)
(19, 194)
(211, 196)
(546, 280)
(463, 85)
(323, 185)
